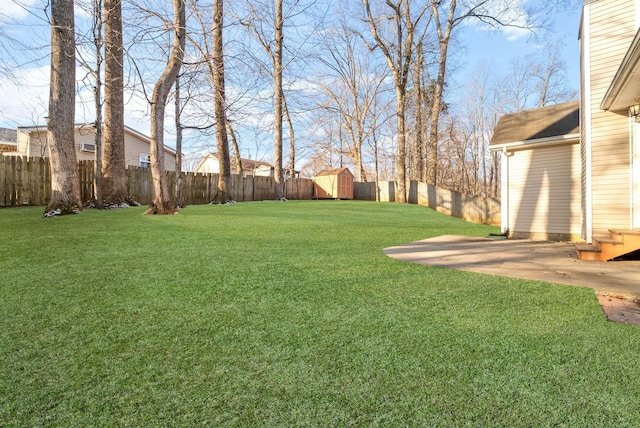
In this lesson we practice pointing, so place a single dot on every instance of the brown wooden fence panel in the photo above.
(3, 183)
(264, 188)
(247, 189)
(86, 174)
(298, 188)
(20, 187)
(140, 184)
(364, 191)
(235, 187)
(412, 187)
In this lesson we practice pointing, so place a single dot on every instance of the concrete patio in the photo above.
(554, 262)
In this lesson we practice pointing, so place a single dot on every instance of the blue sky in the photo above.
(26, 102)
(499, 48)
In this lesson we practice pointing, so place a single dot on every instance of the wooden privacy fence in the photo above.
(470, 208)
(27, 181)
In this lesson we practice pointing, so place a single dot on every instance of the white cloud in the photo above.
(25, 100)
(15, 9)
(511, 14)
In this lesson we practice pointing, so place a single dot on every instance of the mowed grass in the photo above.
(289, 314)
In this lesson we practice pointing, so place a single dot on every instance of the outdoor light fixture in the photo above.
(634, 111)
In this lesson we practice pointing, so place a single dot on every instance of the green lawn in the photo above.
(289, 314)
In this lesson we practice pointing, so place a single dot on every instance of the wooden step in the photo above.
(618, 243)
(587, 252)
(632, 232)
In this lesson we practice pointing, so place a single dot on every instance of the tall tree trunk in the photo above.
(97, 93)
(401, 190)
(292, 139)
(161, 198)
(236, 149)
(65, 186)
(277, 91)
(113, 163)
(419, 100)
(443, 39)
(398, 56)
(178, 115)
(222, 141)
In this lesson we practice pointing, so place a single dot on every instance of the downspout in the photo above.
(586, 127)
(504, 191)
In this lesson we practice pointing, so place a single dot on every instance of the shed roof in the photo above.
(541, 123)
(336, 171)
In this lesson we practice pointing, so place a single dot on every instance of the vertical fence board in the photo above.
(413, 192)
(3, 191)
(12, 182)
(247, 189)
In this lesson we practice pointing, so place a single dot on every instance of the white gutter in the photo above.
(538, 142)
(504, 190)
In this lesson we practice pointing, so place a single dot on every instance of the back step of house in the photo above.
(618, 243)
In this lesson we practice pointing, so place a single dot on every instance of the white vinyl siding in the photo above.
(610, 32)
(544, 192)
(33, 143)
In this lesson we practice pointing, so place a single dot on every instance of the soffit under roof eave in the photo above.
(624, 90)
(540, 142)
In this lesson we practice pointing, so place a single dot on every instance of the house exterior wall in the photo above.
(33, 143)
(209, 166)
(544, 193)
(608, 28)
(134, 146)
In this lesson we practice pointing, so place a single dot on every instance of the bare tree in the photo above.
(222, 141)
(93, 68)
(236, 148)
(161, 198)
(113, 162)
(272, 42)
(398, 52)
(535, 81)
(277, 99)
(178, 115)
(447, 15)
(210, 48)
(351, 87)
(549, 72)
(65, 186)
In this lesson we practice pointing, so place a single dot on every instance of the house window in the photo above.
(145, 160)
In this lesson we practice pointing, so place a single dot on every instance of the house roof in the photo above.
(8, 136)
(625, 87)
(336, 171)
(555, 122)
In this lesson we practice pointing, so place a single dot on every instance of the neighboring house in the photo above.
(209, 164)
(609, 131)
(32, 141)
(333, 184)
(540, 172)
(8, 140)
